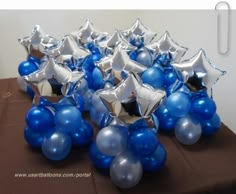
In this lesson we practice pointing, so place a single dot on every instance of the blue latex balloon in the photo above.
(83, 135)
(178, 104)
(99, 160)
(203, 108)
(39, 119)
(97, 79)
(34, 139)
(27, 67)
(88, 99)
(154, 77)
(67, 118)
(79, 102)
(144, 57)
(212, 126)
(96, 116)
(164, 59)
(88, 64)
(57, 146)
(34, 59)
(169, 77)
(143, 142)
(82, 88)
(166, 121)
(155, 161)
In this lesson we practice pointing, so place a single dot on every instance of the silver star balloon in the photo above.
(38, 41)
(109, 45)
(198, 72)
(88, 33)
(166, 45)
(139, 30)
(68, 51)
(131, 101)
(119, 62)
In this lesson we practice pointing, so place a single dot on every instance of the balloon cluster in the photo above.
(131, 85)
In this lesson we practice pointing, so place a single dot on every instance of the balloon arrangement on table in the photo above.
(131, 85)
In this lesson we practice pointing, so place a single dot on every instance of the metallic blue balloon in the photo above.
(82, 88)
(212, 126)
(99, 160)
(27, 67)
(203, 108)
(83, 135)
(57, 146)
(39, 119)
(67, 118)
(97, 79)
(34, 139)
(156, 160)
(88, 99)
(178, 104)
(166, 120)
(144, 57)
(143, 142)
(37, 61)
(169, 77)
(164, 59)
(154, 77)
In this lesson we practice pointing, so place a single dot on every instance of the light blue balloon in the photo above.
(56, 146)
(126, 170)
(112, 140)
(144, 57)
(88, 99)
(82, 87)
(178, 104)
(188, 130)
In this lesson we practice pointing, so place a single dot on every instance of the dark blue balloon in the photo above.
(143, 142)
(39, 119)
(99, 160)
(155, 161)
(83, 135)
(34, 59)
(67, 118)
(166, 121)
(97, 79)
(56, 146)
(163, 59)
(27, 67)
(169, 77)
(178, 104)
(203, 108)
(34, 139)
(154, 77)
(212, 126)
(142, 123)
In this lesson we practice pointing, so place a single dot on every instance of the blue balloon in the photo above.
(138, 42)
(82, 88)
(79, 102)
(56, 146)
(164, 59)
(169, 77)
(34, 139)
(88, 63)
(30, 91)
(34, 59)
(178, 104)
(97, 79)
(96, 115)
(27, 67)
(203, 108)
(143, 142)
(83, 135)
(156, 160)
(99, 160)
(212, 126)
(144, 57)
(154, 77)
(88, 99)
(39, 119)
(166, 120)
(67, 118)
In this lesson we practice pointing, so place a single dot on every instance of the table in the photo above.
(206, 167)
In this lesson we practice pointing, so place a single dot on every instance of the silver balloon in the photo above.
(130, 100)
(108, 46)
(188, 130)
(112, 140)
(88, 33)
(38, 40)
(68, 51)
(166, 45)
(117, 63)
(139, 30)
(198, 73)
(126, 170)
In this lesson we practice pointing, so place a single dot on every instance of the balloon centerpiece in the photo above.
(131, 85)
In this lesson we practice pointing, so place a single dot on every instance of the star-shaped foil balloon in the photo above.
(38, 42)
(109, 45)
(88, 33)
(68, 51)
(139, 30)
(51, 69)
(119, 63)
(198, 73)
(166, 45)
(131, 101)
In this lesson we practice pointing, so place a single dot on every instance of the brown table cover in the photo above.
(206, 167)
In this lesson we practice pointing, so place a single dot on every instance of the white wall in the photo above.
(193, 29)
